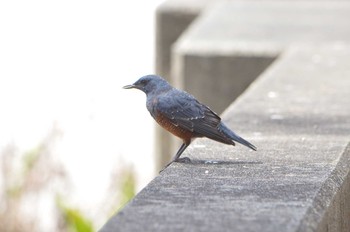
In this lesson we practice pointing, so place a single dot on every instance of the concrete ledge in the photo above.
(298, 115)
(232, 42)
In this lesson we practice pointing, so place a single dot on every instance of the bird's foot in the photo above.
(184, 160)
(180, 160)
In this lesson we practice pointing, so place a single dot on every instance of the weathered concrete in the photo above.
(172, 19)
(298, 115)
(232, 42)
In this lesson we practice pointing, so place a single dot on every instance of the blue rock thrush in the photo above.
(181, 114)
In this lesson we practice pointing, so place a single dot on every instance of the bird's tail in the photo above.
(232, 135)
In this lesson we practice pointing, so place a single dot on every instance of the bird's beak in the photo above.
(129, 87)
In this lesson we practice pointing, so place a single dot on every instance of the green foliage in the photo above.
(30, 158)
(19, 180)
(127, 187)
(32, 172)
(74, 220)
(122, 190)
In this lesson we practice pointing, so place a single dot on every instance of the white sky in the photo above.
(65, 62)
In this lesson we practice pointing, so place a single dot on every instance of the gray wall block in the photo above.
(298, 115)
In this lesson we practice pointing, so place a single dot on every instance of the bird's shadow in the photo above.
(186, 160)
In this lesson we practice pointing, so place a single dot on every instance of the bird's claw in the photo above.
(184, 160)
(179, 160)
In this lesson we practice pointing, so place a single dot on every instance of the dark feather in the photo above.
(186, 112)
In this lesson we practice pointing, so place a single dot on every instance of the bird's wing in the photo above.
(184, 111)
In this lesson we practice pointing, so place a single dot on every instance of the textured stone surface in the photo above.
(266, 27)
(298, 115)
(232, 42)
(172, 19)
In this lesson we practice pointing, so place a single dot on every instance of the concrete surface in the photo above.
(232, 42)
(172, 19)
(298, 115)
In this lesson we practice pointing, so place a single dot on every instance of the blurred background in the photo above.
(74, 146)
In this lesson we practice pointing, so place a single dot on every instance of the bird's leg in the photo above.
(180, 151)
(177, 156)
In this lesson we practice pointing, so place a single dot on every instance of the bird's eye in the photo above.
(143, 82)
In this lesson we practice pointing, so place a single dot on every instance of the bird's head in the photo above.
(149, 84)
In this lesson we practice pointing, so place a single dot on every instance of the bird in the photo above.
(183, 115)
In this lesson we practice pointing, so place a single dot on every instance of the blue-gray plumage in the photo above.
(181, 114)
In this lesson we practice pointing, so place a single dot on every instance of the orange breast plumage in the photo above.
(174, 129)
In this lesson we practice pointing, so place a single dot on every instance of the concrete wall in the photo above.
(292, 60)
(298, 115)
